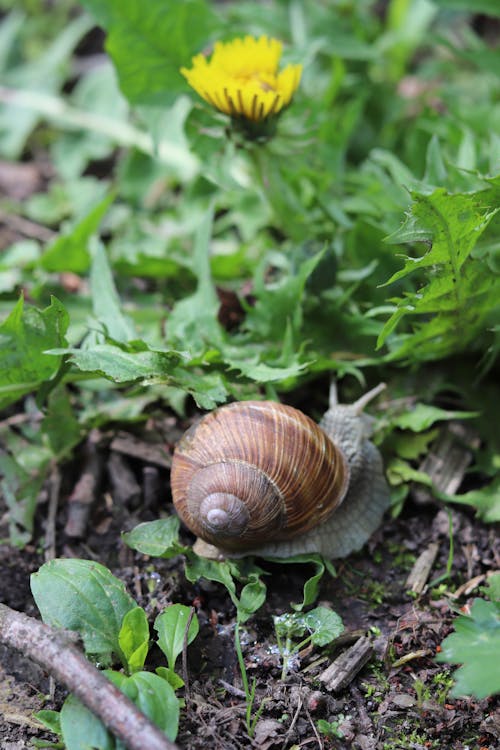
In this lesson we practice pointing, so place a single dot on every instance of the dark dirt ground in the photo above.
(394, 702)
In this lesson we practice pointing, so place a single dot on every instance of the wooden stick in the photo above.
(447, 461)
(345, 668)
(52, 649)
(85, 491)
(421, 569)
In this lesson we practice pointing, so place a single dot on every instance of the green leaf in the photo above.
(280, 304)
(193, 323)
(171, 627)
(84, 596)
(50, 719)
(324, 624)
(70, 252)
(473, 644)
(60, 424)
(289, 625)
(133, 638)
(149, 46)
(153, 696)
(252, 596)
(81, 729)
(25, 336)
(311, 586)
(399, 471)
(492, 589)
(410, 445)
(486, 500)
(451, 310)
(423, 416)
(125, 366)
(263, 373)
(156, 538)
(105, 301)
(227, 572)
(20, 490)
(170, 676)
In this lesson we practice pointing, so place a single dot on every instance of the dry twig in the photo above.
(447, 461)
(345, 668)
(421, 570)
(85, 491)
(53, 650)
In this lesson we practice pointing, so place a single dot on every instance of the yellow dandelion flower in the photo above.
(242, 80)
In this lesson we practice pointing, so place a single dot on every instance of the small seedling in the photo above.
(84, 596)
(332, 728)
(322, 626)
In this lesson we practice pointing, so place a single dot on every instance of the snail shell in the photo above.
(255, 472)
(258, 477)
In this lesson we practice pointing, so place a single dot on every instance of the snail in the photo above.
(259, 477)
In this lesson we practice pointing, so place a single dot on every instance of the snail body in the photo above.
(258, 477)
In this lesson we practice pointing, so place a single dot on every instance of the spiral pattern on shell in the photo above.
(256, 471)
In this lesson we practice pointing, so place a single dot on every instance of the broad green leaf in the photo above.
(460, 295)
(280, 304)
(320, 625)
(153, 696)
(60, 425)
(170, 676)
(423, 416)
(156, 538)
(150, 45)
(485, 500)
(50, 719)
(474, 644)
(81, 729)
(410, 445)
(193, 323)
(399, 471)
(219, 572)
(105, 301)
(252, 596)
(171, 627)
(263, 373)
(133, 638)
(228, 572)
(84, 596)
(137, 361)
(492, 589)
(123, 365)
(253, 593)
(25, 336)
(324, 624)
(20, 489)
(70, 252)
(311, 586)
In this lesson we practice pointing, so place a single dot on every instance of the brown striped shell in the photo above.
(254, 472)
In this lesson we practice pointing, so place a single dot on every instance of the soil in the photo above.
(399, 699)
